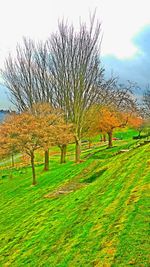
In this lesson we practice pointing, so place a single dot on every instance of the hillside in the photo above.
(89, 214)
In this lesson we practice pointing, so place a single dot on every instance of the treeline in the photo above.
(42, 127)
(60, 92)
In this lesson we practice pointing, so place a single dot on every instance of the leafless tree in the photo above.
(76, 71)
(42, 75)
(18, 75)
(119, 95)
(27, 75)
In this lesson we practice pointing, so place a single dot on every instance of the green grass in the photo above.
(101, 220)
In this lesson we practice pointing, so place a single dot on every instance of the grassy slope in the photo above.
(104, 222)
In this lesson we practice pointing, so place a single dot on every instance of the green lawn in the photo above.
(90, 214)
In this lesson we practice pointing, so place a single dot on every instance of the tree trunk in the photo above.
(63, 154)
(65, 150)
(33, 168)
(90, 143)
(110, 139)
(139, 133)
(78, 150)
(46, 163)
(104, 137)
(12, 160)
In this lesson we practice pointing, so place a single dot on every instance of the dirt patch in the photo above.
(65, 189)
(122, 151)
(81, 180)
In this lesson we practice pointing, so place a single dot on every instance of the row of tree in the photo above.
(42, 127)
(61, 94)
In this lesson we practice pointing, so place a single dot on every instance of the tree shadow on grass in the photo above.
(94, 176)
(96, 154)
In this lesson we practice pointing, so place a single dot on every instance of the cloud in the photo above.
(136, 68)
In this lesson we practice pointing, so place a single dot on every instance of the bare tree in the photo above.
(42, 75)
(119, 95)
(27, 75)
(18, 75)
(76, 72)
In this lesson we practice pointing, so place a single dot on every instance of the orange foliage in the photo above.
(64, 134)
(110, 118)
(135, 121)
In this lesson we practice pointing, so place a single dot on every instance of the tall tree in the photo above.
(76, 72)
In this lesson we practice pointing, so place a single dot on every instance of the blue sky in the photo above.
(125, 28)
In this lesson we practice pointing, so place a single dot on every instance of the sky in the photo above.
(125, 29)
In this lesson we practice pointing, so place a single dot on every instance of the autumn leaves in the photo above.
(39, 127)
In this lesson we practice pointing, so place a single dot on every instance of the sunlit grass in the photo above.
(100, 220)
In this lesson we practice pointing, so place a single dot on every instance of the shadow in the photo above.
(92, 155)
(94, 176)
(102, 154)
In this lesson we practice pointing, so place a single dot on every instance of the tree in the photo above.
(18, 75)
(76, 72)
(90, 124)
(63, 137)
(49, 118)
(118, 105)
(25, 132)
(27, 75)
(110, 119)
(136, 122)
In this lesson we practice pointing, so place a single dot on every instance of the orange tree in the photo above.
(103, 119)
(136, 122)
(109, 119)
(90, 124)
(49, 118)
(24, 132)
(64, 135)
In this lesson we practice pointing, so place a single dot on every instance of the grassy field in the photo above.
(90, 214)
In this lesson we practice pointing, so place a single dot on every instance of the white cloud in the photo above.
(123, 19)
